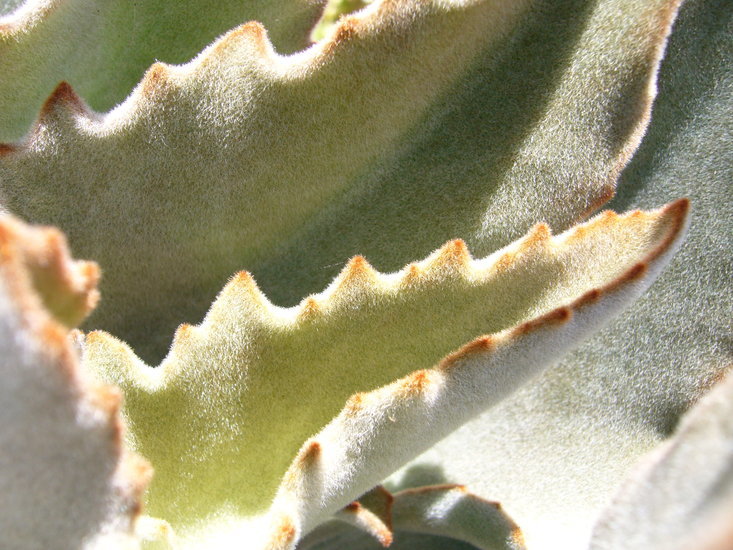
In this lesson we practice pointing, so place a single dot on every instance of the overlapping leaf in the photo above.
(104, 48)
(681, 495)
(218, 413)
(488, 115)
(578, 430)
(440, 509)
(65, 479)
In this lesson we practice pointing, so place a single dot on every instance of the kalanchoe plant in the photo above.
(445, 142)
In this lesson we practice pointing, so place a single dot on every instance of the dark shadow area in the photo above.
(445, 164)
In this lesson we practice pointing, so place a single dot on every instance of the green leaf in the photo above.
(437, 509)
(681, 495)
(412, 124)
(104, 50)
(65, 478)
(554, 453)
(218, 412)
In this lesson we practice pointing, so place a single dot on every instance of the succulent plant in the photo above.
(409, 359)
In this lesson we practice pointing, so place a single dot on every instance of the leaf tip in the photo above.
(415, 383)
(63, 96)
(284, 534)
(358, 272)
(310, 454)
(250, 33)
(354, 404)
(156, 79)
(309, 309)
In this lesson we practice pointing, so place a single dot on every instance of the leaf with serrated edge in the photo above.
(572, 435)
(439, 509)
(681, 495)
(243, 157)
(452, 510)
(67, 288)
(218, 411)
(371, 513)
(46, 41)
(65, 479)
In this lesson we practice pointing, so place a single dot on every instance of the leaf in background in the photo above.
(577, 430)
(103, 48)
(680, 496)
(219, 414)
(412, 124)
(65, 479)
(436, 509)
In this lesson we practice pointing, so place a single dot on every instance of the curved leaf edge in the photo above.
(24, 251)
(303, 500)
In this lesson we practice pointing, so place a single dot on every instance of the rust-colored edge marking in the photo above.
(45, 254)
(644, 108)
(516, 532)
(676, 210)
(132, 469)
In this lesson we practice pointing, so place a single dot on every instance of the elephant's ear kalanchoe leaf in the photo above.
(681, 495)
(489, 115)
(218, 414)
(104, 48)
(576, 431)
(67, 288)
(65, 479)
(449, 510)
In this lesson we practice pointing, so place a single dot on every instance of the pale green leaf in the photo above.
(65, 479)
(555, 453)
(218, 413)
(681, 495)
(66, 288)
(104, 48)
(438, 509)
(411, 124)
(453, 511)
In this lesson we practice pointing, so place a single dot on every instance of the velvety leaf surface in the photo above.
(455, 512)
(67, 288)
(555, 452)
(482, 117)
(681, 495)
(439, 509)
(344, 536)
(104, 48)
(65, 480)
(218, 412)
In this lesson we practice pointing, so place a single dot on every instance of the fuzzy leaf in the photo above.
(453, 511)
(488, 115)
(65, 479)
(104, 48)
(67, 288)
(218, 412)
(681, 495)
(555, 452)
(437, 509)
